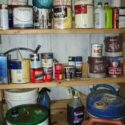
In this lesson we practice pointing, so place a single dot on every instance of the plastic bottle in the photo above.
(99, 16)
(75, 111)
(108, 16)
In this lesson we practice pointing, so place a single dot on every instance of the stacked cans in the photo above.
(97, 65)
(37, 73)
(114, 55)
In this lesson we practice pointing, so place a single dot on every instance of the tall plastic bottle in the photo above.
(75, 111)
(108, 16)
(99, 16)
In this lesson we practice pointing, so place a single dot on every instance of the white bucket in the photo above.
(23, 96)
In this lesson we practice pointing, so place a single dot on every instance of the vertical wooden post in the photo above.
(1, 109)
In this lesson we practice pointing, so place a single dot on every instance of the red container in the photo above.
(48, 77)
(58, 68)
(58, 77)
(95, 121)
(115, 17)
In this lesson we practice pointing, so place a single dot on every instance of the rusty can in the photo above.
(115, 18)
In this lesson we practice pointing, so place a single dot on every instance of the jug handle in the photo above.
(93, 121)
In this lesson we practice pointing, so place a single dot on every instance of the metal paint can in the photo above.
(20, 71)
(113, 46)
(17, 2)
(47, 59)
(84, 2)
(4, 16)
(37, 75)
(96, 50)
(48, 77)
(58, 77)
(62, 17)
(23, 17)
(97, 67)
(58, 68)
(69, 73)
(3, 69)
(84, 16)
(115, 17)
(115, 66)
(35, 61)
(42, 18)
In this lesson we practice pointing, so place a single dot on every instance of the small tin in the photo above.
(96, 50)
(58, 68)
(37, 75)
(58, 77)
(48, 77)
(69, 73)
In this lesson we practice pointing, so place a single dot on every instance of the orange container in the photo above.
(95, 121)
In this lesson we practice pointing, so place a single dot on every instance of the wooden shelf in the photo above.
(64, 83)
(58, 31)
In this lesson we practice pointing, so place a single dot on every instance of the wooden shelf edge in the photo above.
(64, 83)
(59, 31)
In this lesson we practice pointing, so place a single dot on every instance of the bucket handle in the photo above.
(109, 87)
(93, 121)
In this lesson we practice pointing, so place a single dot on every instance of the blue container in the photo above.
(47, 4)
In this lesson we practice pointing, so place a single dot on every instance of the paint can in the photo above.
(3, 69)
(37, 75)
(48, 77)
(22, 17)
(4, 16)
(113, 46)
(69, 72)
(84, 2)
(20, 71)
(84, 16)
(42, 18)
(116, 3)
(58, 76)
(58, 68)
(35, 61)
(17, 2)
(71, 61)
(48, 70)
(96, 50)
(97, 67)
(115, 66)
(62, 17)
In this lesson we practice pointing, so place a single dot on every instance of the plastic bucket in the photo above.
(27, 115)
(23, 96)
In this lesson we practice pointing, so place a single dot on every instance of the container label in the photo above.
(81, 9)
(78, 116)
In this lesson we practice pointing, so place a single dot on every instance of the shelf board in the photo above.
(64, 83)
(59, 31)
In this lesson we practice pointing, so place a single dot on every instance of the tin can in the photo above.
(62, 2)
(42, 18)
(115, 17)
(35, 61)
(62, 17)
(4, 17)
(84, 2)
(58, 68)
(97, 67)
(84, 16)
(20, 71)
(48, 77)
(23, 17)
(17, 2)
(3, 69)
(48, 70)
(58, 76)
(71, 61)
(96, 50)
(113, 46)
(69, 73)
(37, 75)
(115, 66)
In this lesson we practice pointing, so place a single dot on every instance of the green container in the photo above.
(27, 115)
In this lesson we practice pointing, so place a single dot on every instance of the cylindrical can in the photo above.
(48, 70)
(69, 73)
(97, 67)
(78, 67)
(115, 17)
(116, 3)
(17, 2)
(37, 75)
(23, 17)
(35, 61)
(48, 77)
(47, 59)
(4, 16)
(20, 71)
(62, 17)
(58, 77)
(3, 69)
(84, 16)
(42, 18)
(84, 2)
(115, 66)
(96, 50)
(61, 2)
(58, 68)
(71, 61)
(113, 46)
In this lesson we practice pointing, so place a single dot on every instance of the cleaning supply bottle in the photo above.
(75, 111)
(108, 16)
(99, 16)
